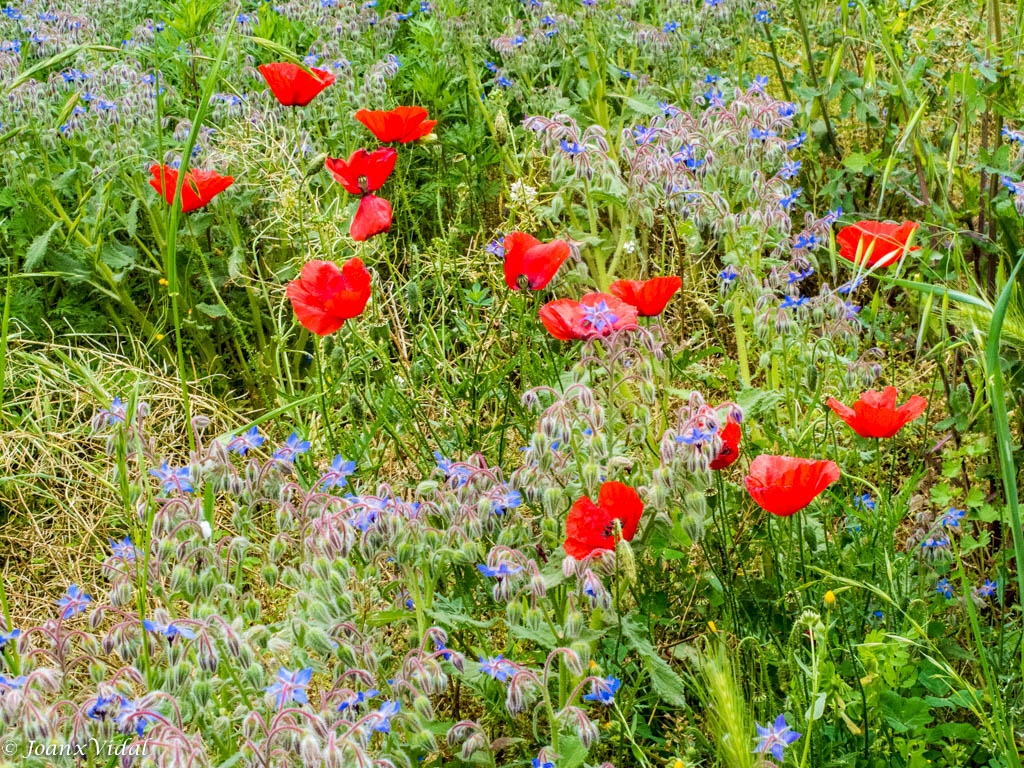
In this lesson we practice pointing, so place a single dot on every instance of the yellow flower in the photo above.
(678, 764)
(712, 627)
(164, 282)
(830, 598)
(159, 337)
(593, 664)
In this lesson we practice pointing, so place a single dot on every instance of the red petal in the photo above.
(372, 218)
(619, 501)
(561, 317)
(730, 450)
(292, 85)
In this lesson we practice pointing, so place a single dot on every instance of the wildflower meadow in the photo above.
(511, 384)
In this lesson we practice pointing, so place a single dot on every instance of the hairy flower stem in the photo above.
(317, 341)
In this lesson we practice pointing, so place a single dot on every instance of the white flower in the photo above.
(629, 246)
(206, 529)
(522, 193)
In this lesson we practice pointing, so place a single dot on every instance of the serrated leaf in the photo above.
(667, 683)
(35, 253)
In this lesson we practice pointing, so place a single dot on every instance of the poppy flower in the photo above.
(402, 124)
(293, 85)
(648, 296)
(730, 450)
(875, 243)
(528, 257)
(784, 485)
(324, 297)
(596, 314)
(591, 526)
(198, 189)
(372, 218)
(364, 171)
(875, 414)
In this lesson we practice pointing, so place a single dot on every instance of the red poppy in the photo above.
(730, 450)
(876, 243)
(293, 85)
(784, 485)
(648, 296)
(364, 171)
(596, 314)
(526, 256)
(324, 297)
(591, 526)
(198, 189)
(372, 218)
(875, 413)
(402, 124)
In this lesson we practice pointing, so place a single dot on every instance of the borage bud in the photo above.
(475, 743)
(538, 587)
(627, 562)
(552, 502)
(423, 707)
(574, 624)
(514, 613)
(310, 750)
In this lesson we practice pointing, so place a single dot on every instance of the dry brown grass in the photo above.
(58, 500)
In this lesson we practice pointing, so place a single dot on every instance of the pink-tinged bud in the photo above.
(309, 750)
(475, 743)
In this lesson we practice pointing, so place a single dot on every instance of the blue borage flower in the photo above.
(293, 447)
(124, 549)
(775, 738)
(851, 286)
(73, 602)
(952, 518)
(130, 716)
(174, 479)
(796, 277)
(503, 569)
(603, 690)
(5, 638)
(797, 142)
(337, 476)
(505, 499)
(104, 706)
(944, 588)
(599, 316)
(290, 686)
(1013, 135)
(243, 443)
(356, 700)
(790, 169)
(498, 668)
(988, 589)
(451, 469)
(11, 683)
(794, 302)
(382, 716)
(728, 275)
(170, 631)
(496, 247)
(762, 16)
(791, 198)
(864, 501)
(571, 147)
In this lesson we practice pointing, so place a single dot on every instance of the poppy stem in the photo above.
(323, 393)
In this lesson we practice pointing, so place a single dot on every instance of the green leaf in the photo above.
(451, 614)
(211, 310)
(667, 683)
(35, 253)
